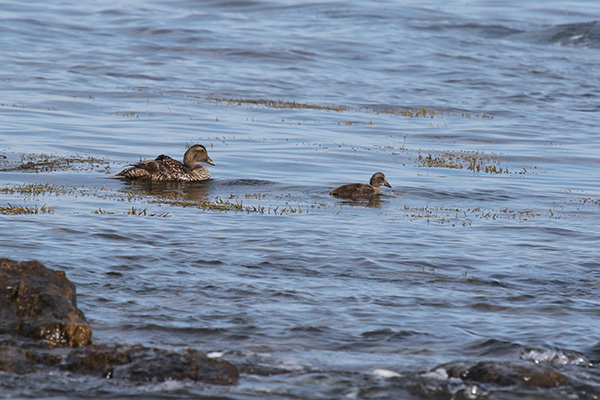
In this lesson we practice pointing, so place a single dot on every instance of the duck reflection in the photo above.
(190, 191)
(374, 202)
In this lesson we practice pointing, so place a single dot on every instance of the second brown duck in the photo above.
(361, 190)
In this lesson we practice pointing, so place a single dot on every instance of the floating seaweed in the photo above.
(472, 160)
(356, 123)
(53, 162)
(276, 104)
(418, 112)
(132, 211)
(590, 200)
(463, 216)
(20, 210)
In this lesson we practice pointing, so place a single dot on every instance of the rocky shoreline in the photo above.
(41, 327)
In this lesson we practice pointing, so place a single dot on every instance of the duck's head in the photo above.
(378, 179)
(195, 154)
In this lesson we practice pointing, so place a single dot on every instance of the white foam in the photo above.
(385, 373)
(440, 374)
(555, 357)
(215, 354)
(166, 386)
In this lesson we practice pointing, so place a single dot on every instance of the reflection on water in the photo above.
(191, 191)
(375, 202)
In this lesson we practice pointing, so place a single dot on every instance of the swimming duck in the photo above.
(164, 168)
(361, 190)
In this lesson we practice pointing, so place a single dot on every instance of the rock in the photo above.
(23, 357)
(138, 363)
(39, 303)
(133, 363)
(505, 373)
(41, 327)
(15, 359)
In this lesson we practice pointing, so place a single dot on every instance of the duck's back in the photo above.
(354, 190)
(164, 168)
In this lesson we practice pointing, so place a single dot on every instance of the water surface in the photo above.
(312, 296)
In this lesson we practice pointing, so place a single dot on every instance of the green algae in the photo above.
(38, 189)
(424, 112)
(100, 211)
(127, 114)
(133, 211)
(278, 104)
(20, 210)
(410, 112)
(233, 203)
(590, 200)
(349, 123)
(475, 161)
(53, 162)
(413, 112)
(258, 203)
(464, 216)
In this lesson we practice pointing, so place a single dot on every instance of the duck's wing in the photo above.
(137, 171)
(166, 168)
(353, 190)
(150, 169)
(165, 163)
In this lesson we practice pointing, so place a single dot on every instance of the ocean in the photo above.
(483, 115)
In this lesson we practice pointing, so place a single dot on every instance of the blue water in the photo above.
(314, 297)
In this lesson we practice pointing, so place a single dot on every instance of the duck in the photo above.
(361, 190)
(165, 168)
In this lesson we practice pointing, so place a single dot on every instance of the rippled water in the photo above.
(313, 297)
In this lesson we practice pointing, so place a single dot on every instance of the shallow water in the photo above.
(312, 296)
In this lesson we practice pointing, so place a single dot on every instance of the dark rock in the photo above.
(15, 359)
(22, 357)
(39, 303)
(138, 363)
(134, 363)
(507, 373)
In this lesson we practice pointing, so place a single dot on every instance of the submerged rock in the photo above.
(39, 303)
(138, 363)
(507, 373)
(41, 326)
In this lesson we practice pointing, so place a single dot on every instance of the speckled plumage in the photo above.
(165, 168)
(361, 190)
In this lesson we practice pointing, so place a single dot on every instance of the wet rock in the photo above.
(14, 359)
(138, 363)
(39, 303)
(22, 356)
(134, 363)
(507, 373)
(41, 327)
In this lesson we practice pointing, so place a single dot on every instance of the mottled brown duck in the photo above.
(165, 168)
(361, 190)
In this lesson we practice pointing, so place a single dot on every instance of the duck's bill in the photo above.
(211, 162)
(387, 184)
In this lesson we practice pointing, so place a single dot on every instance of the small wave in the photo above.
(388, 334)
(582, 34)
(555, 357)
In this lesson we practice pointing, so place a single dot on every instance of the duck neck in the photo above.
(188, 160)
